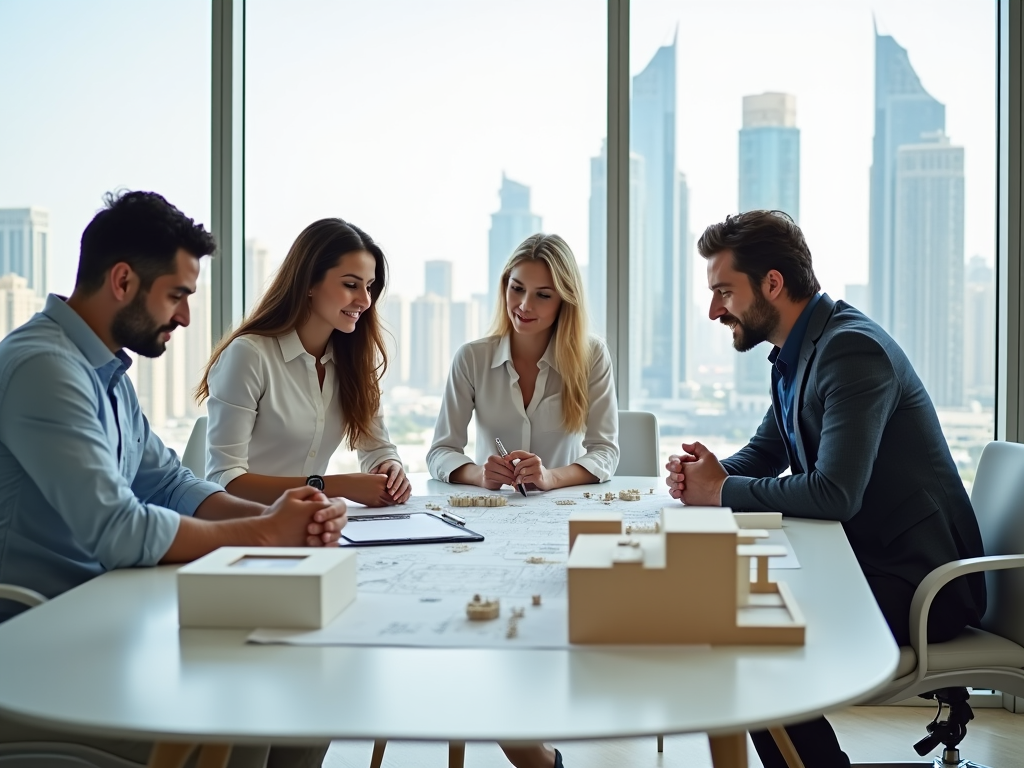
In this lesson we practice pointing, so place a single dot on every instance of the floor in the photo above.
(995, 738)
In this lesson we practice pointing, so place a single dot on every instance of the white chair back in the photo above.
(638, 444)
(194, 456)
(998, 500)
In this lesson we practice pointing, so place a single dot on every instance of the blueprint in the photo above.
(415, 595)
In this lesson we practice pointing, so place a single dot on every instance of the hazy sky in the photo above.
(402, 116)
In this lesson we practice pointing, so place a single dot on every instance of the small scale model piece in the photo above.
(433, 507)
(468, 500)
(536, 599)
(479, 609)
(587, 495)
(609, 496)
(630, 494)
(513, 623)
(593, 522)
(564, 502)
(650, 492)
(539, 560)
(653, 528)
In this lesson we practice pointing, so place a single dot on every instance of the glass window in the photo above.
(98, 97)
(448, 131)
(857, 120)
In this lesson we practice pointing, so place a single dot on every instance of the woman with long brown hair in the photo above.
(302, 373)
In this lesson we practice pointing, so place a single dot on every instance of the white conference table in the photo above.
(108, 658)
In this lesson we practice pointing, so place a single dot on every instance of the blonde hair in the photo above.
(572, 340)
(360, 357)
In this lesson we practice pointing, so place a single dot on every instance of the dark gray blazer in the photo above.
(869, 454)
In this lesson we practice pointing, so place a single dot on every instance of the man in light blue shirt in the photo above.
(85, 485)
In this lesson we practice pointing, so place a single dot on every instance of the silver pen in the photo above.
(503, 453)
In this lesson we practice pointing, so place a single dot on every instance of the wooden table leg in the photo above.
(377, 758)
(456, 754)
(729, 751)
(214, 756)
(168, 755)
(785, 745)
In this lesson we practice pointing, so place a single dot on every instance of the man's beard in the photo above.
(756, 325)
(135, 329)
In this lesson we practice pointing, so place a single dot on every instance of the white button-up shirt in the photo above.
(483, 379)
(268, 415)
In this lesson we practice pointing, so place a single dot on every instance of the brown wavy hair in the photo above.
(360, 357)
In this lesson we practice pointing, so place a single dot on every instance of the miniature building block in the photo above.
(479, 609)
(593, 522)
(677, 586)
(280, 587)
(654, 527)
(469, 500)
(631, 494)
(758, 519)
(536, 599)
(564, 502)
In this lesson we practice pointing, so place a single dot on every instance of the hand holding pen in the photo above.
(505, 455)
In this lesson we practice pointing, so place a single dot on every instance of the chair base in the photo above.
(936, 763)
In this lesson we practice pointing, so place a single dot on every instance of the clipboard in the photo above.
(403, 528)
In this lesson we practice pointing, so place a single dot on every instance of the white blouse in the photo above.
(483, 379)
(268, 415)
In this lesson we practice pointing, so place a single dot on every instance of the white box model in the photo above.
(279, 587)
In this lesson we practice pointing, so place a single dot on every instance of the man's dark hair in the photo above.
(761, 241)
(142, 230)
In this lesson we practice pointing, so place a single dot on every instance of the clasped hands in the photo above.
(696, 477)
(519, 467)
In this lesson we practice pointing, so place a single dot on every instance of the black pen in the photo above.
(503, 453)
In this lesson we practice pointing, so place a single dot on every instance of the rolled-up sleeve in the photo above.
(451, 433)
(376, 447)
(601, 441)
(236, 386)
(162, 480)
(55, 436)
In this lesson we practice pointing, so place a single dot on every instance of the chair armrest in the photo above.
(929, 588)
(28, 597)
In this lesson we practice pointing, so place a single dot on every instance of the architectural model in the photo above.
(468, 500)
(565, 502)
(687, 584)
(631, 494)
(479, 609)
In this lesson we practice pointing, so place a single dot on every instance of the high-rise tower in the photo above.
(25, 245)
(510, 225)
(769, 179)
(904, 111)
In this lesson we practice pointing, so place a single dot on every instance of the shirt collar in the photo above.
(503, 353)
(789, 355)
(109, 366)
(291, 348)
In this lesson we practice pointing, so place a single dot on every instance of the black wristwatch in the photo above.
(316, 481)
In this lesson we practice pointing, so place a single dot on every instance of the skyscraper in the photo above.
(769, 178)
(18, 302)
(904, 111)
(25, 244)
(980, 332)
(438, 278)
(464, 323)
(659, 266)
(430, 352)
(394, 315)
(597, 268)
(258, 271)
(510, 225)
(927, 320)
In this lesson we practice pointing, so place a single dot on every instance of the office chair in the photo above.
(638, 438)
(991, 657)
(194, 457)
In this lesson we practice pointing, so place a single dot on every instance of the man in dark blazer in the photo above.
(852, 421)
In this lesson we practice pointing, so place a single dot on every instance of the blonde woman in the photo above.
(539, 382)
(302, 374)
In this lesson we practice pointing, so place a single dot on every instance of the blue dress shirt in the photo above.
(784, 363)
(85, 485)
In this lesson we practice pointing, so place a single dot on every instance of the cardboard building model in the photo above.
(689, 583)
